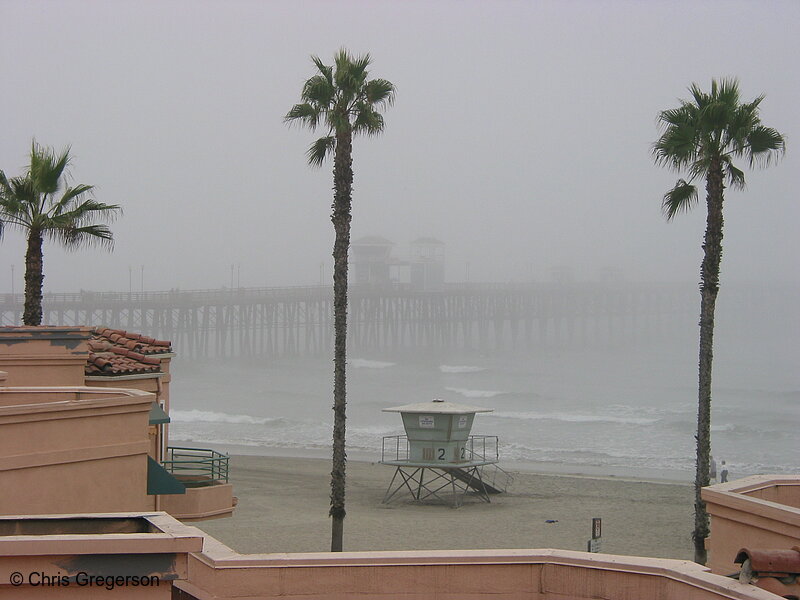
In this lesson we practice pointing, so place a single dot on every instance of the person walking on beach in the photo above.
(723, 474)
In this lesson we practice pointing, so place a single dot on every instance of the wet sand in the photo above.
(283, 507)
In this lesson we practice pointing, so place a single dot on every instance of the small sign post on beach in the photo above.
(597, 531)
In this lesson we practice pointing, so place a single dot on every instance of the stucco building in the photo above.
(84, 428)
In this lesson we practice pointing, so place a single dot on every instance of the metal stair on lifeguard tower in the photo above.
(497, 484)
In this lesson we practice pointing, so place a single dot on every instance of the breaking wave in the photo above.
(363, 363)
(573, 418)
(208, 416)
(724, 427)
(460, 369)
(475, 393)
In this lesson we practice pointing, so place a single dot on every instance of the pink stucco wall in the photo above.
(220, 573)
(206, 570)
(43, 355)
(73, 449)
(762, 512)
(212, 502)
(156, 383)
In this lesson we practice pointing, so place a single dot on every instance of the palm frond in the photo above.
(5, 186)
(46, 168)
(20, 222)
(735, 176)
(317, 90)
(74, 236)
(368, 121)
(380, 91)
(320, 149)
(681, 198)
(727, 92)
(742, 122)
(677, 146)
(86, 211)
(306, 113)
(350, 74)
(699, 168)
(675, 116)
(324, 69)
(764, 144)
(701, 99)
(714, 119)
(18, 203)
(69, 197)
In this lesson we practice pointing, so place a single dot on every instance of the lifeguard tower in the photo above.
(439, 457)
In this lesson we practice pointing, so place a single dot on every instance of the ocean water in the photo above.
(622, 411)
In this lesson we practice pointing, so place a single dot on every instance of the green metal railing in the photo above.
(196, 467)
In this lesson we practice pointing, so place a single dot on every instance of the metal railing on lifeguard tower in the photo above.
(478, 448)
(395, 449)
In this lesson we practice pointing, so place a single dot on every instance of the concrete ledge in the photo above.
(219, 572)
(163, 536)
(204, 569)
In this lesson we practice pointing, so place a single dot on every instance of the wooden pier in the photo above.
(299, 321)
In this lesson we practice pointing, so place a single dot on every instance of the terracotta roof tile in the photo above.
(132, 341)
(116, 352)
(109, 363)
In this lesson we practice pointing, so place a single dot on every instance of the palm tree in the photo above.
(42, 204)
(342, 100)
(702, 137)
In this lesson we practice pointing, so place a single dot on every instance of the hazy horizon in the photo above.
(520, 136)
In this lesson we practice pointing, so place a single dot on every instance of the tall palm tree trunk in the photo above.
(34, 278)
(709, 287)
(341, 216)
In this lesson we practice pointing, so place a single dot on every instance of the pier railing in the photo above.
(298, 321)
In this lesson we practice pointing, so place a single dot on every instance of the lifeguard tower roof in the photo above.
(438, 407)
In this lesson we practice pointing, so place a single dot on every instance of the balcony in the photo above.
(197, 467)
(204, 473)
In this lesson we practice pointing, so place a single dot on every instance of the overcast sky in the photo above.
(520, 136)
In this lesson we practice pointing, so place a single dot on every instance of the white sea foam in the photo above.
(293, 434)
(363, 363)
(208, 416)
(573, 418)
(460, 369)
(724, 427)
(673, 409)
(475, 393)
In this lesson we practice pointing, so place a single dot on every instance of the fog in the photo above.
(520, 136)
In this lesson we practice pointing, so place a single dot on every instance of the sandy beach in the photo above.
(283, 507)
